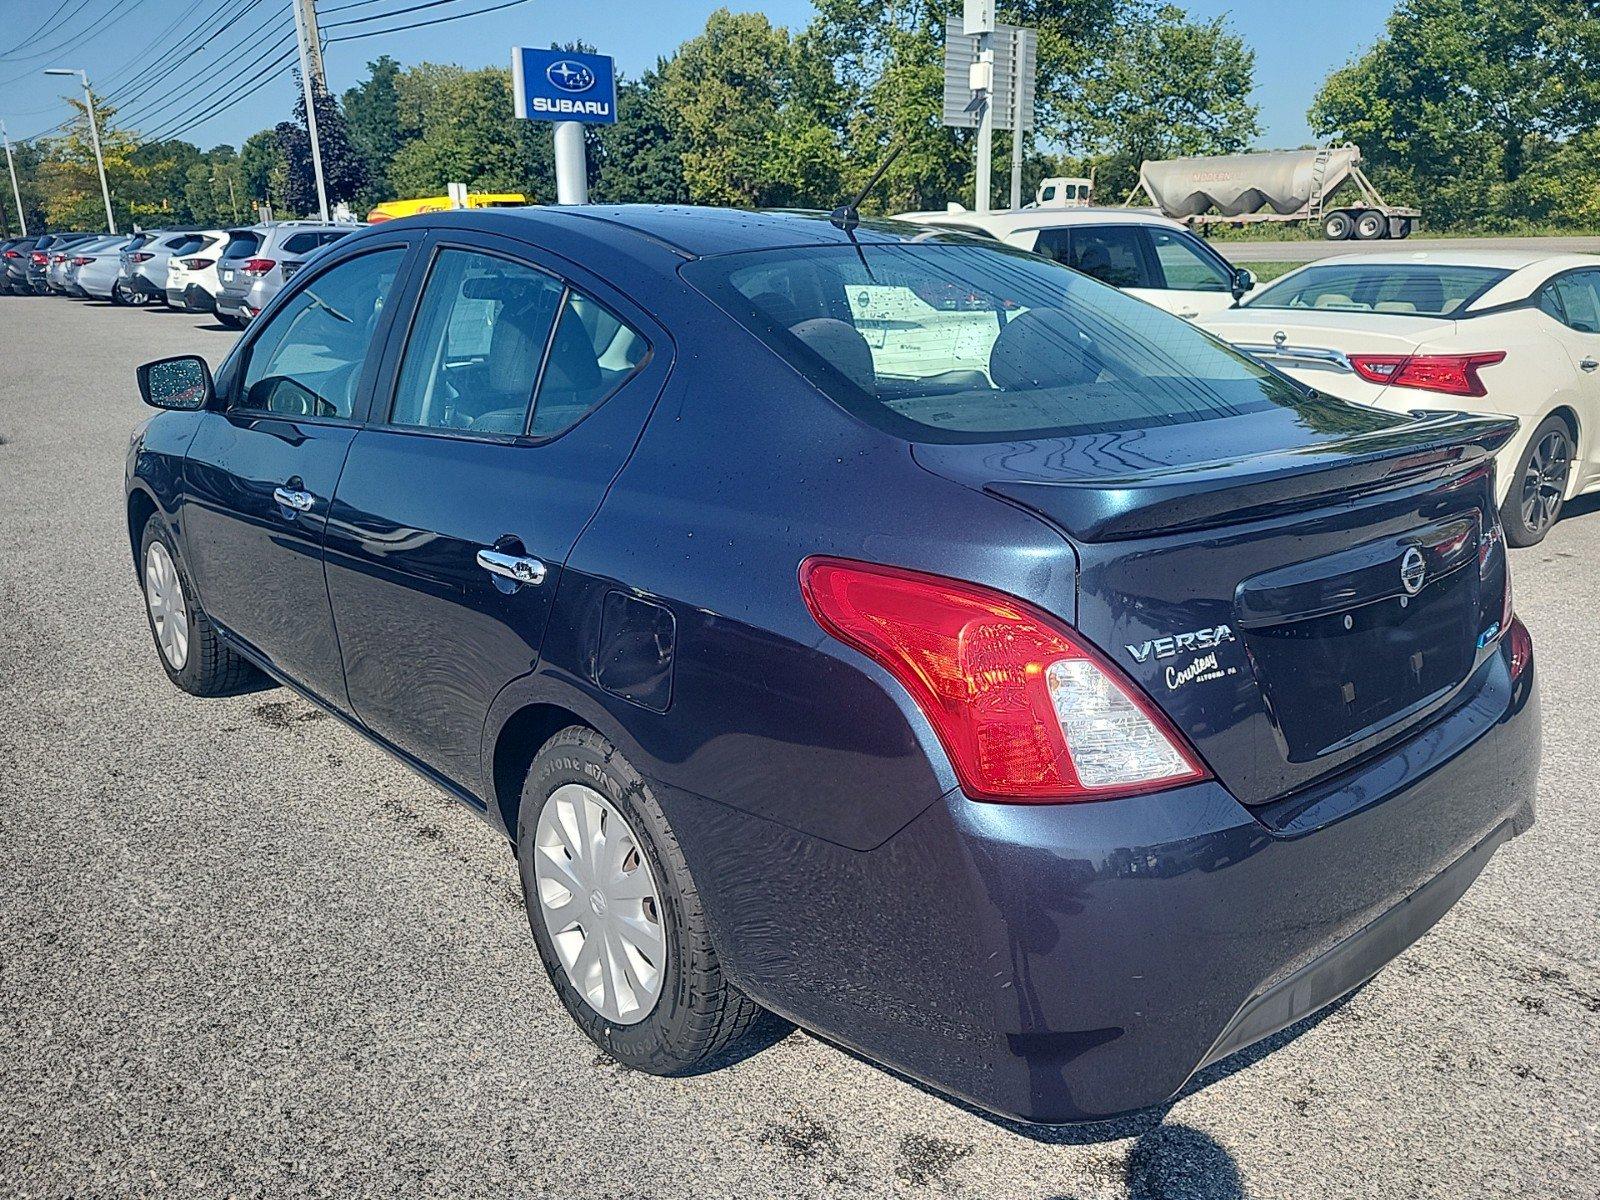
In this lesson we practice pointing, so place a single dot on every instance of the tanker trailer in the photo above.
(1276, 185)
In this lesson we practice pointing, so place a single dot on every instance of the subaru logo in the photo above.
(1279, 338)
(570, 76)
(1413, 568)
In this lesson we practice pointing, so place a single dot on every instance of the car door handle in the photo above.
(519, 568)
(1589, 364)
(299, 501)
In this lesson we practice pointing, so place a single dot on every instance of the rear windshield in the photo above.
(1409, 289)
(958, 342)
(242, 243)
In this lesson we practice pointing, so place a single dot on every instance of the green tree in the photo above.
(68, 182)
(263, 170)
(466, 133)
(372, 115)
(1478, 111)
(1170, 87)
(640, 160)
(344, 171)
(732, 101)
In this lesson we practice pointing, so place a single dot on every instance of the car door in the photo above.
(518, 394)
(1573, 299)
(1191, 280)
(260, 473)
(1118, 254)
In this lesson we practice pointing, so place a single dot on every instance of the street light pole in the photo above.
(94, 136)
(11, 165)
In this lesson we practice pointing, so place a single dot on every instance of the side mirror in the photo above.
(182, 383)
(1244, 280)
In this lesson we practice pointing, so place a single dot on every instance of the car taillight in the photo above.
(1453, 374)
(40, 258)
(60, 258)
(197, 264)
(1025, 709)
(139, 258)
(1521, 648)
(82, 260)
(257, 267)
(12, 254)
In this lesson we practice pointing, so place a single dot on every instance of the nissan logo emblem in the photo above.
(1413, 568)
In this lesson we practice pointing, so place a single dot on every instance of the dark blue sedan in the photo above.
(887, 629)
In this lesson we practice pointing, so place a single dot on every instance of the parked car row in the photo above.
(230, 272)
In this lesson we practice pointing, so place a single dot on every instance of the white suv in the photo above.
(1143, 253)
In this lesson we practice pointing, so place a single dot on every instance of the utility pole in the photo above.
(94, 136)
(309, 37)
(984, 76)
(11, 165)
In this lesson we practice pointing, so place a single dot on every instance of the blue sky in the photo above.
(1296, 45)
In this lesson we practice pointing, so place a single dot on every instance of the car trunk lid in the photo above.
(1313, 345)
(1292, 594)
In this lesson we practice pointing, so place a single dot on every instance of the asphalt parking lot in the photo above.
(1311, 250)
(243, 953)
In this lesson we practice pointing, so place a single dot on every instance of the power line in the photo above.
(117, 11)
(147, 64)
(177, 56)
(136, 108)
(46, 29)
(162, 116)
(354, 37)
(183, 124)
(384, 16)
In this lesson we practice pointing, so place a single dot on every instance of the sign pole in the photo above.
(572, 163)
(985, 121)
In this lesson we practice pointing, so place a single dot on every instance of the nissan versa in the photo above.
(893, 630)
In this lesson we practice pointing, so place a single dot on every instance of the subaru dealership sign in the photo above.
(559, 85)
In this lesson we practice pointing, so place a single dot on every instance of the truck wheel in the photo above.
(616, 914)
(1399, 227)
(1337, 226)
(1371, 225)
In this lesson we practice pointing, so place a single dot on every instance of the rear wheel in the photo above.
(1371, 225)
(1539, 487)
(231, 321)
(1337, 226)
(192, 655)
(616, 914)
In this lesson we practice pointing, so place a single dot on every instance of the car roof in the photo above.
(694, 231)
(1016, 219)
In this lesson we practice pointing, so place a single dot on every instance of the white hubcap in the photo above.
(600, 904)
(163, 591)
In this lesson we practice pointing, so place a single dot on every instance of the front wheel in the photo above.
(1539, 486)
(616, 914)
(191, 653)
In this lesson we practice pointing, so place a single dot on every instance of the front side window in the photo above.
(1187, 267)
(967, 343)
(308, 361)
(477, 340)
(1113, 254)
(1402, 289)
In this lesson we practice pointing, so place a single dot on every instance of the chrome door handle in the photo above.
(1589, 364)
(518, 568)
(299, 501)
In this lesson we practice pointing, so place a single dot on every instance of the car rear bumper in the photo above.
(192, 298)
(1071, 963)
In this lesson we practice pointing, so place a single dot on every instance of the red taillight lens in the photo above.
(1025, 710)
(139, 258)
(12, 254)
(257, 267)
(1521, 648)
(197, 264)
(60, 258)
(82, 260)
(1453, 374)
(40, 258)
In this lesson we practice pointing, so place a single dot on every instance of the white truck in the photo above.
(1278, 185)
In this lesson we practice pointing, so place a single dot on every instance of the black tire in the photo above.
(230, 321)
(209, 667)
(699, 1014)
(1337, 226)
(1539, 486)
(1371, 225)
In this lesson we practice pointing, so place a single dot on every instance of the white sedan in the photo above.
(1492, 332)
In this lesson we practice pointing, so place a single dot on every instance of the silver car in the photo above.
(261, 259)
(145, 270)
(93, 273)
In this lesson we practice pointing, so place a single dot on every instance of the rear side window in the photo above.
(968, 343)
(473, 357)
(1402, 289)
(1574, 300)
(301, 243)
(308, 361)
(592, 353)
